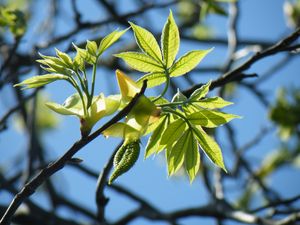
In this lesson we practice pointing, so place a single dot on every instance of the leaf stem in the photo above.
(76, 86)
(93, 83)
(166, 86)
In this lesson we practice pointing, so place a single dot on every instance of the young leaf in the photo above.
(84, 55)
(60, 109)
(153, 145)
(128, 87)
(170, 41)
(64, 58)
(71, 106)
(175, 155)
(173, 132)
(91, 47)
(210, 118)
(192, 158)
(200, 92)
(153, 79)
(120, 130)
(209, 146)
(39, 81)
(146, 42)
(212, 103)
(110, 39)
(152, 126)
(140, 62)
(188, 62)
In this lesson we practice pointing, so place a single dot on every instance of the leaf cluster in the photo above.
(175, 126)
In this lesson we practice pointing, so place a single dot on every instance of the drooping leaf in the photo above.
(62, 110)
(212, 103)
(173, 132)
(110, 39)
(146, 42)
(153, 79)
(120, 130)
(192, 158)
(200, 92)
(210, 118)
(153, 145)
(128, 87)
(188, 62)
(112, 103)
(141, 62)
(170, 41)
(39, 81)
(209, 146)
(71, 106)
(175, 154)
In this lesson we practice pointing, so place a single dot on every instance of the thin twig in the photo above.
(52, 168)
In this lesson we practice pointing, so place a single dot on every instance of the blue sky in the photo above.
(262, 20)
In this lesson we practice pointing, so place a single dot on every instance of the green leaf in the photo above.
(153, 145)
(175, 155)
(64, 58)
(71, 106)
(170, 41)
(54, 64)
(154, 125)
(121, 130)
(188, 62)
(209, 146)
(212, 103)
(173, 132)
(179, 97)
(192, 158)
(91, 47)
(146, 42)
(200, 92)
(210, 118)
(141, 62)
(41, 80)
(112, 103)
(84, 55)
(110, 39)
(153, 79)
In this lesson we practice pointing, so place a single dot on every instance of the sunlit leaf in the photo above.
(153, 145)
(84, 55)
(71, 106)
(91, 47)
(110, 39)
(212, 103)
(209, 146)
(146, 42)
(192, 158)
(188, 62)
(153, 79)
(175, 155)
(200, 92)
(128, 87)
(39, 81)
(210, 118)
(170, 41)
(141, 62)
(64, 58)
(173, 132)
